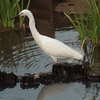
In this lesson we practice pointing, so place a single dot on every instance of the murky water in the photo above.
(20, 54)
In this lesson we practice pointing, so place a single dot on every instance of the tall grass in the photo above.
(88, 24)
(21, 8)
(8, 9)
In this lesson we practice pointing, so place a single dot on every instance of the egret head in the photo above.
(24, 12)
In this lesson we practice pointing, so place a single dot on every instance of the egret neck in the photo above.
(33, 29)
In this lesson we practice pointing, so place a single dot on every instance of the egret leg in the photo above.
(54, 58)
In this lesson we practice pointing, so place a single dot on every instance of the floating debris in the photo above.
(61, 72)
(95, 76)
(65, 70)
(7, 80)
(8, 77)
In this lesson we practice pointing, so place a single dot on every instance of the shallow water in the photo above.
(20, 54)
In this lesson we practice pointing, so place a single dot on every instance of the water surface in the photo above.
(20, 54)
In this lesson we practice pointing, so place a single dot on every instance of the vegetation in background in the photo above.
(21, 8)
(88, 24)
(8, 9)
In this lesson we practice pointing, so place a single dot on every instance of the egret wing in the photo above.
(56, 48)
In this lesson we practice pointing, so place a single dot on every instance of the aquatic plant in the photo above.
(9, 8)
(88, 24)
(21, 8)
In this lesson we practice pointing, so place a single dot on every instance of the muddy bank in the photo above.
(70, 6)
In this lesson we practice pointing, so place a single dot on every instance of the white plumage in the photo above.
(54, 48)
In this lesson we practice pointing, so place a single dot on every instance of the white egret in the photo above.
(54, 48)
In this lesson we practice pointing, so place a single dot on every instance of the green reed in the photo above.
(88, 24)
(21, 8)
(8, 9)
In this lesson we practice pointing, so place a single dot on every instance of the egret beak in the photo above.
(14, 17)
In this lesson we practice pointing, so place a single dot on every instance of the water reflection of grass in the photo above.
(13, 49)
(93, 57)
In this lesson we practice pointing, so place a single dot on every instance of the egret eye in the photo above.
(21, 14)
